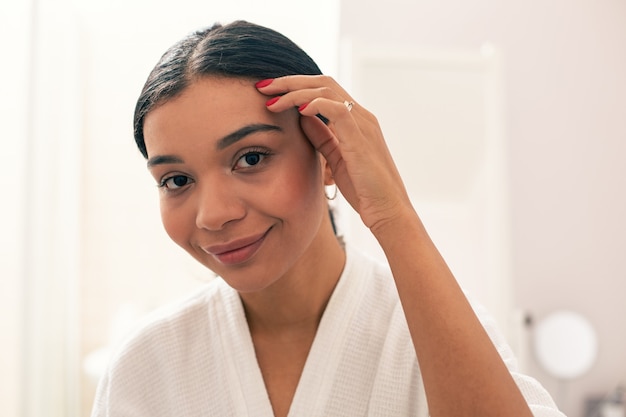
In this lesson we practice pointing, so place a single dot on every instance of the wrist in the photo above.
(403, 224)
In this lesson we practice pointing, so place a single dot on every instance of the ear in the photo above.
(326, 171)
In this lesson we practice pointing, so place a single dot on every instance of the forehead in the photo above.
(207, 110)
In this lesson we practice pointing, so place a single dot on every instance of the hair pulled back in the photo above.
(239, 49)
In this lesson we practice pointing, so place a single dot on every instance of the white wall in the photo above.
(441, 115)
(15, 23)
(565, 103)
(45, 143)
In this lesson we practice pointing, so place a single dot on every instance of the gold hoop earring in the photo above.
(333, 195)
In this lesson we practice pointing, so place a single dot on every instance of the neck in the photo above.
(295, 304)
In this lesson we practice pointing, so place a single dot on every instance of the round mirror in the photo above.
(565, 344)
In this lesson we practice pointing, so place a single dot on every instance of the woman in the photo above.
(243, 134)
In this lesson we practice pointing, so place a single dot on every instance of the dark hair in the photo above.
(239, 49)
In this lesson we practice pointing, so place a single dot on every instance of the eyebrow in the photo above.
(223, 143)
(239, 134)
(164, 159)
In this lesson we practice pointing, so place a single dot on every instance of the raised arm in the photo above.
(463, 373)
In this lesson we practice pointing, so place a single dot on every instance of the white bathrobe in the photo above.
(199, 360)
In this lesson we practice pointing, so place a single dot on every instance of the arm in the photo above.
(462, 371)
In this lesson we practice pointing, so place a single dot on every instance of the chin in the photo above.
(248, 285)
(247, 279)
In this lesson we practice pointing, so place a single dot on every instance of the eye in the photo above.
(250, 159)
(175, 182)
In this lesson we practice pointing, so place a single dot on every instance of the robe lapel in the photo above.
(245, 380)
(318, 381)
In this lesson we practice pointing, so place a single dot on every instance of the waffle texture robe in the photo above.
(199, 360)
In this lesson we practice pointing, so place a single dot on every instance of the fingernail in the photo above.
(272, 101)
(264, 83)
(303, 107)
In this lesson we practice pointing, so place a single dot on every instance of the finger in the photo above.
(302, 97)
(295, 90)
(338, 113)
(321, 137)
(289, 83)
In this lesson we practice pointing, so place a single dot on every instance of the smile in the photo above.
(237, 251)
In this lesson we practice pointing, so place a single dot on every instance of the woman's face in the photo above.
(241, 188)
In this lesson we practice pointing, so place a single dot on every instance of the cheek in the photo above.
(176, 223)
(301, 191)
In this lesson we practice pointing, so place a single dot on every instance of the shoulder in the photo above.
(164, 361)
(170, 331)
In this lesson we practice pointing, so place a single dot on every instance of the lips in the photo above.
(237, 251)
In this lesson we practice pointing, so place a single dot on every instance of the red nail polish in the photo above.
(264, 83)
(272, 101)
(303, 107)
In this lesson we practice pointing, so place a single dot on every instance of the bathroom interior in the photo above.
(507, 120)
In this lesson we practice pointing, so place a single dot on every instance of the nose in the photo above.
(218, 204)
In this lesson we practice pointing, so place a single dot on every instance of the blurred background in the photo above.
(507, 119)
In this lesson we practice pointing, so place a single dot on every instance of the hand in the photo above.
(351, 142)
